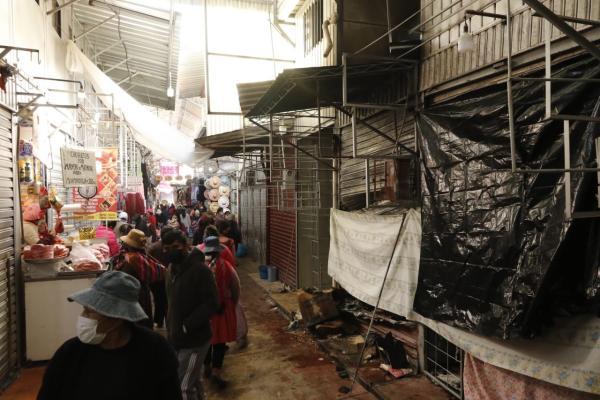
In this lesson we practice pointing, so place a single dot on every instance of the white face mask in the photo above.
(86, 331)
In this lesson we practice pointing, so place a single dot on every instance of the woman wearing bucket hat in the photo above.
(111, 357)
(132, 259)
(224, 323)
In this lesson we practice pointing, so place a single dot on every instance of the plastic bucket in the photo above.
(242, 250)
(272, 274)
(263, 271)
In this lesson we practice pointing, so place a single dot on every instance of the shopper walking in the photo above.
(193, 300)
(132, 260)
(158, 288)
(226, 253)
(225, 234)
(112, 357)
(223, 324)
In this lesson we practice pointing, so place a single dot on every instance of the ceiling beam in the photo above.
(147, 86)
(117, 65)
(93, 28)
(129, 77)
(153, 76)
(107, 48)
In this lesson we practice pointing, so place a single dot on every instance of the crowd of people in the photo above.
(172, 265)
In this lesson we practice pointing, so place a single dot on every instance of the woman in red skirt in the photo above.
(224, 324)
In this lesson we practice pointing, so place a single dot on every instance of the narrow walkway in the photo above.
(277, 364)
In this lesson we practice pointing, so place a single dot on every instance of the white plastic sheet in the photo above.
(147, 129)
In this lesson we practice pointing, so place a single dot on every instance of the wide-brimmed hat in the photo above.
(212, 245)
(114, 294)
(135, 238)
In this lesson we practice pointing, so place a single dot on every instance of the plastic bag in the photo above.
(498, 256)
(83, 258)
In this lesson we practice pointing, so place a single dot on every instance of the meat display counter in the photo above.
(50, 319)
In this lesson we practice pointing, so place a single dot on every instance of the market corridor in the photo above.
(277, 364)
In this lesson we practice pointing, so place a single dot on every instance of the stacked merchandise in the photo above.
(217, 193)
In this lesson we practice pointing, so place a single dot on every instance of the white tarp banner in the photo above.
(147, 129)
(360, 248)
(359, 252)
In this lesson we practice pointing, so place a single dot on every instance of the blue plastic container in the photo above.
(263, 271)
(242, 250)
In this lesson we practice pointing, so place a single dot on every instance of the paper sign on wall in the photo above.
(78, 168)
(102, 206)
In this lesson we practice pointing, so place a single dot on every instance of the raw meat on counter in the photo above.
(101, 251)
(39, 252)
(60, 251)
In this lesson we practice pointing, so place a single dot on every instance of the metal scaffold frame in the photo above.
(551, 19)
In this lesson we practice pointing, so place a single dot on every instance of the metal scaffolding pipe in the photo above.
(567, 155)
(367, 183)
(511, 116)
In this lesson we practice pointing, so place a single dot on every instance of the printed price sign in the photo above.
(78, 168)
(87, 233)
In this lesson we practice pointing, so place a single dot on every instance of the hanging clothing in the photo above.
(224, 324)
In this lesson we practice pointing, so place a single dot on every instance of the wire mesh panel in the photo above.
(444, 362)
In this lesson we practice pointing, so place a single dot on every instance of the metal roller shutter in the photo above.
(282, 244)
(8, 297)
(253, 220)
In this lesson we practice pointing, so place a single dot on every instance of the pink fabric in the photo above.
(484, 381)
(111, 239)
(32, 213)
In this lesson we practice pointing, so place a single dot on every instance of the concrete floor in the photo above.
(277, 364)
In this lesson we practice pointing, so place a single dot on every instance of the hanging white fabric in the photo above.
(360, 248)
(147, 129)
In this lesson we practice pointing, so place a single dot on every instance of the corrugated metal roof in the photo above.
(145, 35)
(300, 88)
(251, 93)
(230, 143)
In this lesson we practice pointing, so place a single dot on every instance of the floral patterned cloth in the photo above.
(484, 381)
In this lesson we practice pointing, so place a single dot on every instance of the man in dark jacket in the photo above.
(112, 357)
(193, 300)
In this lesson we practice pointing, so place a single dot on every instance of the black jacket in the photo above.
(193, 300)
(145, 368)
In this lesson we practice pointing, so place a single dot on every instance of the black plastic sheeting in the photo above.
(498, 256)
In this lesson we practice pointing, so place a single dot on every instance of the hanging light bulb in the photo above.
(170, 90)
(465, 41)
(97, 117)
(81, 95)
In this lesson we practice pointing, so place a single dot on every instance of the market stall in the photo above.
(61, 253)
